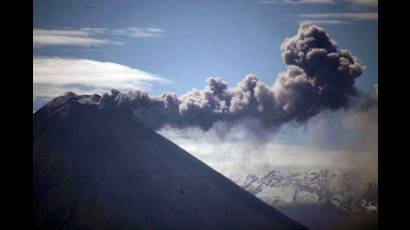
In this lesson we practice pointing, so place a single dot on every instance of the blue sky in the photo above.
(187, 41)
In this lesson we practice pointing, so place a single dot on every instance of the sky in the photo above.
(93, 46)
(187, 41)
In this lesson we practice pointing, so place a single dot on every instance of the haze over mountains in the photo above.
(95, 167)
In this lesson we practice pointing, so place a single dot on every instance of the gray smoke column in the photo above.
(318, 77)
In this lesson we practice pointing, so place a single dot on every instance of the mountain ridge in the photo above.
(311, 187)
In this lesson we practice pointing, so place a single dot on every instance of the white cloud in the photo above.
(248, 157)
(136, 32)
(324, 22)
(356, 3)
(55, 76)
(89, 36)
(364, 2)
(43, 37)
(337, 18)
(357, 16)
(94, 30)
(298, 2)
(343, 140)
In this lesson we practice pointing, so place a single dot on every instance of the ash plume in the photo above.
(318, 77)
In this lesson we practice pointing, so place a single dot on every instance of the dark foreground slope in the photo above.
(97, 168)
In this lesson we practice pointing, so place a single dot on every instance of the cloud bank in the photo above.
(343, 140)
(318, 77)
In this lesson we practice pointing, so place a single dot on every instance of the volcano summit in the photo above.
(95, 167)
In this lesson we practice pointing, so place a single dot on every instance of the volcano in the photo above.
(98, 167)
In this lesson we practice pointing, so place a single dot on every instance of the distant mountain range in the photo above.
(97, 167)
(280, 189)
(319, 199)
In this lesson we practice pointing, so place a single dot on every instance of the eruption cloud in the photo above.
(318, 77)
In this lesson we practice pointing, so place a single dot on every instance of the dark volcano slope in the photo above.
(96, 168)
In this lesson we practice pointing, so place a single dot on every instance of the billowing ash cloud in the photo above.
(318, 77)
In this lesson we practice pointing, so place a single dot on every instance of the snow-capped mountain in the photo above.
(312, 187)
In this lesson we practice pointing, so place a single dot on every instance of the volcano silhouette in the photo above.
(101, 168)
